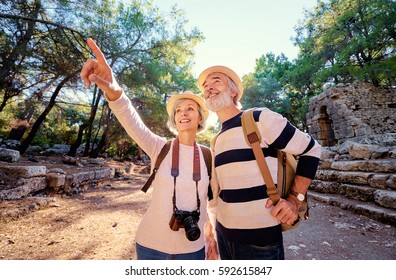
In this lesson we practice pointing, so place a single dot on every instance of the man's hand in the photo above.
(285, 211)
(99, 72)
(212, 253)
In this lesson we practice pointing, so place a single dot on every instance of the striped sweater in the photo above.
(240, 207)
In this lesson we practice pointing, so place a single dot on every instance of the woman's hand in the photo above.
(99, 72)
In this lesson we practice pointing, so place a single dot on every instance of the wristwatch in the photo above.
(300, 196)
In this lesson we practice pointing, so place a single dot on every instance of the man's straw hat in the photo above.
(220, 69)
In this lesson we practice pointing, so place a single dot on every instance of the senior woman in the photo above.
(172, 225)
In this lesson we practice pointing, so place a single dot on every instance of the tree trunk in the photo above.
(105, 122)
(75, 145)
(25, 144)
(17, 133)
(3, 103)
(102, 143)
(10, 64)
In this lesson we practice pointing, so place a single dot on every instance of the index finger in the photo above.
(96, 51)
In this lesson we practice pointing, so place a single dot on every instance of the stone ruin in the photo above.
(356, 126)
(34, 186)
(359, 112)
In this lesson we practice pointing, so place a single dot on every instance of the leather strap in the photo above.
(175, 158)
(175, 170)
(253, 138)
(165, 149)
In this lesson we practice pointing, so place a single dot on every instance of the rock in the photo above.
(364, 151)
(71, 160)
(385, 198)
(9, 155)
(22, 171)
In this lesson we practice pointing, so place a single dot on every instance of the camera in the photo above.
(188, 221)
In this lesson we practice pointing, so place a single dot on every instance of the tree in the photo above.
(150, 54)
(25, 144)
(15, 47)
(267, 86)
(146, 57)
(349, 40)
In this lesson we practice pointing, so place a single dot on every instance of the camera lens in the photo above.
(192, 229)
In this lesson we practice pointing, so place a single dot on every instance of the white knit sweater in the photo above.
(154, 231)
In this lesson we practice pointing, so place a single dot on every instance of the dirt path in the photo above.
(100, 224)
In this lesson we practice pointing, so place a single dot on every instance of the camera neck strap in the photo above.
(175, 170)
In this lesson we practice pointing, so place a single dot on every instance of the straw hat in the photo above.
(187, 95)
(220, 69)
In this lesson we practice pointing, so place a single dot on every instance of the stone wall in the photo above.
(359, 112)
(360, 178)
(356, 126)
(22, 181)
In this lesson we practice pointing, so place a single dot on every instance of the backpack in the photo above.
(164, 151)
(286, 167)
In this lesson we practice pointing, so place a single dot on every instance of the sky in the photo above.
(239, 32)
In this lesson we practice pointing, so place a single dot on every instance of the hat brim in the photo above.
(186, 95)
(220, 69)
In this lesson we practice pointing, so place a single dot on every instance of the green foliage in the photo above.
(349, 40)
(339, 41)
(266, 86)
(150, 53)
(5, 122)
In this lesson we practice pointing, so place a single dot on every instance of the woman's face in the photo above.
(187, 116)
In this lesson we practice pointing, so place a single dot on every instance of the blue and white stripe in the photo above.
(241, 212)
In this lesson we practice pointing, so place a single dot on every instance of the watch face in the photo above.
(300, 197)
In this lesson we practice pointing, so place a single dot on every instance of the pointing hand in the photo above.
(99, 72)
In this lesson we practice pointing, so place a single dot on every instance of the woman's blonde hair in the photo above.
(172, 123)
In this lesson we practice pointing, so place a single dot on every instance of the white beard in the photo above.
(221, 101)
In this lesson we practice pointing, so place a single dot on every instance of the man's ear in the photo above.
(233, 94)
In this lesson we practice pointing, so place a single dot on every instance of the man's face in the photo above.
(217, 94)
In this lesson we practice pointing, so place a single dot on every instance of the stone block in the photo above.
(326, 187)
(364, 151)
(385, 198)
(22, 171)
(326, 153)
(83, 177)
(55, 181)
(358, 192)
(325, 164)
(9, 155)
(380, 166)
(379, 181)
(101, 174)
(31, 185)
(391, 182)
(360, 178)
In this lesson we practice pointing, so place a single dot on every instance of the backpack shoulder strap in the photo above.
(213, 142)
(250, 130)
(164, 151)
(207, 154)
(253, 138)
